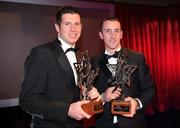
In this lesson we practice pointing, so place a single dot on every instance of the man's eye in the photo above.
(67, 24)
(107, 31)
(77, 24)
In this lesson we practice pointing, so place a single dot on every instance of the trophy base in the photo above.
(120, 107)
(93, 107)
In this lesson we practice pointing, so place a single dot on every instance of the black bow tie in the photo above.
(108, 56)
(71, 49)
(115, 55)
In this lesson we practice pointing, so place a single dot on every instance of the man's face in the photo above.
(69, 29)
(111, 34)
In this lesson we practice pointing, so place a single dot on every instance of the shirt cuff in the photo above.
(139, 102)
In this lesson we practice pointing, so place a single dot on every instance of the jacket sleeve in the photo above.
(33, 97)
(145, 81)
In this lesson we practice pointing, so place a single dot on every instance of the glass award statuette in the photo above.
(86, 77)
(121, 73)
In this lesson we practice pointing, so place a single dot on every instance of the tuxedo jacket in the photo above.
(48, 87)
(142, 87)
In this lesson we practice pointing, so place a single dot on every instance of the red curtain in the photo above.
(155, 31)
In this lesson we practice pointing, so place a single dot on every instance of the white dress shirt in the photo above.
(70, 55)
(112, 60)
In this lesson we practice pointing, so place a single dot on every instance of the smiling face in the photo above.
(111, 34)
(69, 28)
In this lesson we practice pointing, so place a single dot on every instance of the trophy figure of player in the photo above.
(121, 73)
(86, 77)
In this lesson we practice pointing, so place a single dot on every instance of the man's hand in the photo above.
(134, 105)
(76, 112)
(94, 94)
(111, 94)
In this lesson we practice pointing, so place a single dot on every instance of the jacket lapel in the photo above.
(103, 63)
(62, 59)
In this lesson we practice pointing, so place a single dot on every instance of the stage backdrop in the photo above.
(155, 31)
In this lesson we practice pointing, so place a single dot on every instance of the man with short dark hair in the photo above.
(49, 92)
(142, 89)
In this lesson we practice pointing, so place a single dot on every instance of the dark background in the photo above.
(23, 26)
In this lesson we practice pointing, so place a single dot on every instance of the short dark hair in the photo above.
(65, 10)
(110, 19)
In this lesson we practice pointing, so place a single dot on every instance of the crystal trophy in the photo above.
(85, 81)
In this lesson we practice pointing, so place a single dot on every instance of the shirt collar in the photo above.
(65, 45)
(106, 52)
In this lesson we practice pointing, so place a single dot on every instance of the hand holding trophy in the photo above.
(121, 73)
(86, 77)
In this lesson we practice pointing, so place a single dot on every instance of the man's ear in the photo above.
(121, 34)
(57, 27)
(101, 35)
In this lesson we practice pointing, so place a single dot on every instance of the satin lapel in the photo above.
(62, 59)
(103, 63)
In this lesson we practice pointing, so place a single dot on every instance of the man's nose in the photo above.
(113, 34)
(73, 28)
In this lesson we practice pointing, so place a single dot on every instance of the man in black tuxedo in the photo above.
(49, 92)
(142, 89)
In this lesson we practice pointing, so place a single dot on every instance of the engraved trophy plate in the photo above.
(86, 77)
(121, 73)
